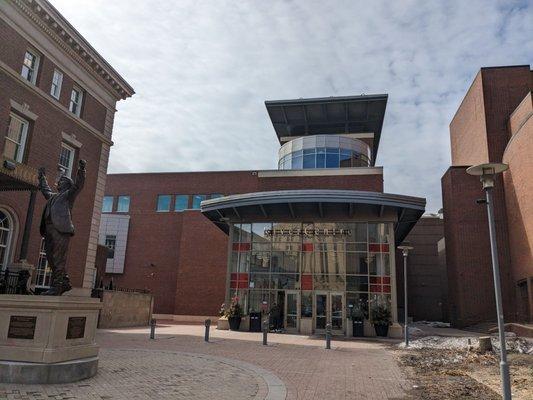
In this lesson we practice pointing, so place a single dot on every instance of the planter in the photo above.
(381, 330)
(234, 323)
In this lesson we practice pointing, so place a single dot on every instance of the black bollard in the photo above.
(328, 336)
(152, 328)
(207, 325)
(265, 331)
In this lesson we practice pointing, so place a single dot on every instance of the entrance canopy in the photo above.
(15, 176)
(315, 205)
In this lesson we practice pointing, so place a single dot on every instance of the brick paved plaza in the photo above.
(178, 364)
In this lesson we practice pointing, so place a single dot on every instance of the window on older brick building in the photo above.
(30, 66)
(76, 99)
(66, 159)
(43, 271)
(57, 81)
(17, 133)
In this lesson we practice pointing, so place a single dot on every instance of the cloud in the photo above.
(202, 71)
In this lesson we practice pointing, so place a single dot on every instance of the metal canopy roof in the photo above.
(329, 115)
(314, 205)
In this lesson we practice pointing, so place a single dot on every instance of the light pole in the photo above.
(486, 172)
(405, 247)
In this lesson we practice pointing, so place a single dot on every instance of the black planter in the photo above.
(381, 330)
(234, 323)
(358, 328)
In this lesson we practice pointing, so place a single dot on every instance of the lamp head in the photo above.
(486, 172)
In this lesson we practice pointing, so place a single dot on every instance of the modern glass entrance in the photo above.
(311, 274)
(329, 309)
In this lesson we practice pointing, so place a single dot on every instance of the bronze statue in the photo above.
(56, 225)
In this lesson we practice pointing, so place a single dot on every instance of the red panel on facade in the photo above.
(241, 246)
(386, 280)
(378, 248)
(307, 246)
(375, 288)
(307, 282)
(375, 279)
(386, 289)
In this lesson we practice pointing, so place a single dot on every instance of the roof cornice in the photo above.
(50, 21)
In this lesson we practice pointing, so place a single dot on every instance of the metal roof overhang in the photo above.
(314, 205)
(329, 115)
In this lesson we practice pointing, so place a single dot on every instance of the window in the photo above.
(44, 273)
(30, 66)
(197, 199)
(76, 98)
(182, 202)
(107, 204)
(123, 204)
(57, 80)
(216, 195)
(110, 241)
(163, 202)
(66, 159)
(16, 138)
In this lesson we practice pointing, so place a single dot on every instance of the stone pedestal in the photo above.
(42, 337)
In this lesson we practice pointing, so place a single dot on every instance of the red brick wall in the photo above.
(12, 53)
(471, 290)
(189, 252)
(43, 150)
(519, 198)
(468, 134)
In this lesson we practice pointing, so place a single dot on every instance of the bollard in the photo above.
(207, 325)
(328, 336)
(152, 328)
(265, 331)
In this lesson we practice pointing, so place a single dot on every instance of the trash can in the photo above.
(255, 322)
(358, 328)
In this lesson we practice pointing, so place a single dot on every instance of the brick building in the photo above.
(316, 236)
(493, 124)
(57, 104)
(427, 292)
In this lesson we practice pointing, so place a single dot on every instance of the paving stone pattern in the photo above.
(134, 367)
(131, 374)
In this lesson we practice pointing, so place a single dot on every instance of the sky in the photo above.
(202, 70)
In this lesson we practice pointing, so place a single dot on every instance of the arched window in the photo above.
(6, 230)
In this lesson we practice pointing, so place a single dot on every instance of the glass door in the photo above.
(337, 312)
(292, 305)
(329, 309)
(321, 312)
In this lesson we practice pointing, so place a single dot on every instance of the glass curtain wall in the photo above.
(350, 257)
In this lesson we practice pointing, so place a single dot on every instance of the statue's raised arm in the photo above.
(43, 184)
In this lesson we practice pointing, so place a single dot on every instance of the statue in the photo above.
(56, 225)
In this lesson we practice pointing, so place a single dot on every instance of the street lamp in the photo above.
(486, 172)
(405, 247)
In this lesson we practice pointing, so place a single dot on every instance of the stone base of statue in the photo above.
(47, 339)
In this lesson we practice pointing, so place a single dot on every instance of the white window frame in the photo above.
(56, 94)
(42, 274)
(19, 157)
(34, 70)
(78, 104)
(67, 168)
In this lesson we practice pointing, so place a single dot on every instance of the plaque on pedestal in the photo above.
(53, 336)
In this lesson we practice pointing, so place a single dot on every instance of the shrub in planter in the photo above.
(234, 314)
(381, 318)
